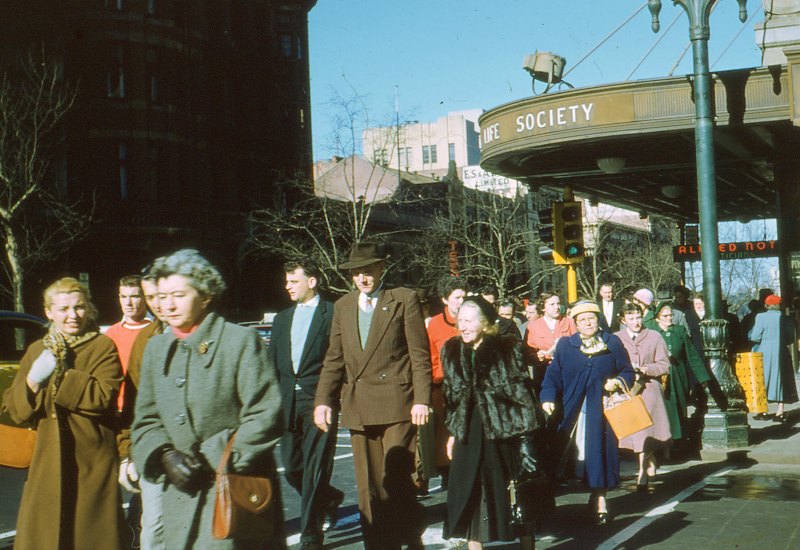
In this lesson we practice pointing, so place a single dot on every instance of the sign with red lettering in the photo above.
(728, 251)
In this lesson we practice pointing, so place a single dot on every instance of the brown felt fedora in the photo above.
(363, 254)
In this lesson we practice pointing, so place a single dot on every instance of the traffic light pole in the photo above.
(572, 284)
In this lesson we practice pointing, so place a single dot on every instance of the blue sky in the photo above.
(450, 55)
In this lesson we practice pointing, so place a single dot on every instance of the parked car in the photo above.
(263, 327)
(17, 332)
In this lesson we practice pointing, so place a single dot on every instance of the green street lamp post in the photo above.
(726, 423)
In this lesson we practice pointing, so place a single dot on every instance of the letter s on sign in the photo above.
(520, 124)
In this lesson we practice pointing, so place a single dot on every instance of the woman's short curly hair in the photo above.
(68, 285)
(202, 275)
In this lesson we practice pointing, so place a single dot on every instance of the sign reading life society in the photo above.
(728, 251)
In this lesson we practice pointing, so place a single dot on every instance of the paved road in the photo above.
(722, 504)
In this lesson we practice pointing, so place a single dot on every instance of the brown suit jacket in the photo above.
(380, 383)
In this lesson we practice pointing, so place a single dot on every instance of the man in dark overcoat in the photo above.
(379, 361)
(299, 341)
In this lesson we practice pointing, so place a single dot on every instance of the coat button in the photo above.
(180, 419)
(180, 381)
(53, 415)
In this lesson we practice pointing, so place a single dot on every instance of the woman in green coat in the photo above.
(683, 357)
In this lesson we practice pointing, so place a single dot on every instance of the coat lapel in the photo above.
(387, 306)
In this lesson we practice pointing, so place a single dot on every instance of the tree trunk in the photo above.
(17, 276)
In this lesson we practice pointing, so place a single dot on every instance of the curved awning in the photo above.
(555, 140)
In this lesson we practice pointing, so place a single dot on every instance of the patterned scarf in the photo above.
(61, 347)
(592, 345)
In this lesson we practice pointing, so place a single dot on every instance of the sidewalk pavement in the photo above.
(771, 442)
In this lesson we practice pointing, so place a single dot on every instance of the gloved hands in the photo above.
(128, 476)
(527, 455)
(613, 384)
(43, 366)
(184, 471)
(548, 407)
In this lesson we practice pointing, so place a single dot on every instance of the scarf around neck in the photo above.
(61, 347)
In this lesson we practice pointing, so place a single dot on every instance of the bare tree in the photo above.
(486, 238)
(36, 219)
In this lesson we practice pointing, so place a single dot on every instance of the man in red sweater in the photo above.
(441, 328)
(134, 319)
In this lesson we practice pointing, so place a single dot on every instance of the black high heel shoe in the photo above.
(642, 480)
(602, 518)
(782, 418)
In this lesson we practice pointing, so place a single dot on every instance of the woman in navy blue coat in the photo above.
(585, 367)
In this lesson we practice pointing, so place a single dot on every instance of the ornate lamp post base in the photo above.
(726, 424)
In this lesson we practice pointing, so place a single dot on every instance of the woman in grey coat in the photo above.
(201, 382)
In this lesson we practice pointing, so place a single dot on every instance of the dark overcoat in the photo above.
(307, 375)
(194, 394)
(71, 497)
(489, 385)
(574, 376)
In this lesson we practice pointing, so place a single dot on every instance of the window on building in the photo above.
(381, 157)
(118, 5)
(286, 45)
(123, 169)
(428, 154)
(115, 77)
(151, 7)
(153, 72)
(451, 151)
(405, 157)
(302, 114)
(299, 48)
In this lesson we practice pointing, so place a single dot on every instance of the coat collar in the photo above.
(203, 342)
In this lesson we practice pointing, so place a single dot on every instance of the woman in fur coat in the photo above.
(490, 412)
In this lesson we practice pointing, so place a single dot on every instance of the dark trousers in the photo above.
(384, 461)
(307, 454)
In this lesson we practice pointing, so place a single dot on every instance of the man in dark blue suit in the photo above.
(609, 309)
(300, 336)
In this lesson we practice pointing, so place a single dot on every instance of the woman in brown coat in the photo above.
(67, 388)
(650, 359)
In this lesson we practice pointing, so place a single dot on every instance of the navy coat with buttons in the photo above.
(573, 376)
(194, 394)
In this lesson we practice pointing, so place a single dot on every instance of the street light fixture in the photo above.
(726, 423)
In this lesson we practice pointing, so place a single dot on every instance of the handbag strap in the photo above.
(226, 455)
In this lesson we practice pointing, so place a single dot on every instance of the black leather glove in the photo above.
(184, 471)
(527, 456)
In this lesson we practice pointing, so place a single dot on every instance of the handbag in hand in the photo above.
(531, 496)
(627, 413)
(243, 507)
(16, 446)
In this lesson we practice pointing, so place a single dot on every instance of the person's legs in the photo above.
(152, 536)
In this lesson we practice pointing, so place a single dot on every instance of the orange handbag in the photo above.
(244, 504)
(16, 446)
(627, 413)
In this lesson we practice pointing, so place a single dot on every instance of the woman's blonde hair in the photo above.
(68, 285)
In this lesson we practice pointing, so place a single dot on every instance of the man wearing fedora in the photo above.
(379, 362)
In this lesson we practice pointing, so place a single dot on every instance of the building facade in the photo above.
(186, 115)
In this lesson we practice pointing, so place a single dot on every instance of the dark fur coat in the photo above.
(494, 383)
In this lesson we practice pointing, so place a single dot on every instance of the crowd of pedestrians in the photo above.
(515, 403)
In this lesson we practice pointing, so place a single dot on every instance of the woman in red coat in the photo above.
(544, 333)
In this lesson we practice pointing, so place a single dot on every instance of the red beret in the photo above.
(772, 300)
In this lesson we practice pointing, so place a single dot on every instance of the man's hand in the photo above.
(322, 417)
(450, 442)
(548, 407)
(419, 414)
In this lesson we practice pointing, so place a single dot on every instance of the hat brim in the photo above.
(361, 263)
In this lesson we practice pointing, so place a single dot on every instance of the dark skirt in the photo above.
(477, 495)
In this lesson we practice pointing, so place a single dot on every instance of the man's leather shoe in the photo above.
(329, 513)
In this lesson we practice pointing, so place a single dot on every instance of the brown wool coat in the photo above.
(378, 384)
(73, 475)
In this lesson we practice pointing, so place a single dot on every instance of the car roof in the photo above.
(15, 315)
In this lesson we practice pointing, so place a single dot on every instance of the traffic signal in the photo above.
(567, 233)
(546, 226)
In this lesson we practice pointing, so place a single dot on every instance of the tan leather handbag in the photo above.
(243, 506)
(627, 414)
(16, 446)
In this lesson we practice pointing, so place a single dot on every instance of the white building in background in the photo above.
(426, 147)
